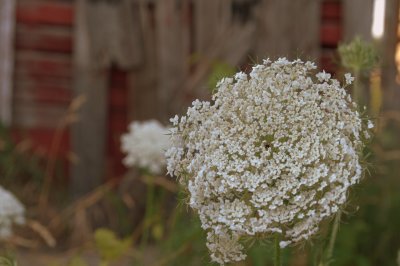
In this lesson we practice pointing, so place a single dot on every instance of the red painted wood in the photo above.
(53, 13)
(32, 114)
(44, 93)
(118, 98)
(43, 39)
(330, 34)
(43, 65)
(331, 10)
(117, 122)
(118, 79)
(41, 138)
(43, 70)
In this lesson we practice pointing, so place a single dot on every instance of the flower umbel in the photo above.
(145, 144)
(11, 211)
(275, 152)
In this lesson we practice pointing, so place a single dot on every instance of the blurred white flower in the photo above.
(274, 152)
(11, 211)
(145, 145)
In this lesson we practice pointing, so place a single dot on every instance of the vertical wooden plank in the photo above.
(7, 28)
(359, 26)
(142, 81)
(391, 100)
(115, 33)
(212, 18)
(89, 133)
(354, 24)
(288, 28)
(107, 33)
(173, 50)
(218, 36)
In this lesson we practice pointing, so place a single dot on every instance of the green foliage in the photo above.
(187, 244)
(358, 56)
(262, 253)
(17, 162)
(109, 246)
(77, 261)
(371, 236)
(187, 237)
(219, 69)
(8, 260)
(123, 224)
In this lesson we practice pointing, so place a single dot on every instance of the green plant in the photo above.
(18, 161)
(219, 69)
(360, 58)
(77, 261)
(109, 246)
(8, 260)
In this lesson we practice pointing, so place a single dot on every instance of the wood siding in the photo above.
(164, 76)
(7, 27)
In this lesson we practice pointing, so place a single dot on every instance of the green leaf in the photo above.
(8, 261)
(218, 71)
(77, 261)
(109, 246)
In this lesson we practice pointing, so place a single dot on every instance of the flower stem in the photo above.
(148, 213)
(277, 255)
(332, 240)
(358, 93)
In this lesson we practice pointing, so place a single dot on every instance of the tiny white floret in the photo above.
(349, 78)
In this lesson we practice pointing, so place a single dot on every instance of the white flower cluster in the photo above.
(145, 144)
(11, 211)
(275, 152)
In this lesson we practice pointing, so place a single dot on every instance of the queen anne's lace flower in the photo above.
(145, 144)
(274, 152)
(11, 211)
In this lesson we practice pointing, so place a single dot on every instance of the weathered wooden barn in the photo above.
(132, 59)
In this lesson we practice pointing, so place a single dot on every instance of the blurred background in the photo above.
(75, 73)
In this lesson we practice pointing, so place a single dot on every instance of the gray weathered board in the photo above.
(389, 44)
(105, 34)
(7, 27)
(163, 37)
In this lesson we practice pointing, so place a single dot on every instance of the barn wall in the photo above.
(43, 72)
(7, 27)
(330, 33)
(43, 78)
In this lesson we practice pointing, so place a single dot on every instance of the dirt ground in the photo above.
(35, 258)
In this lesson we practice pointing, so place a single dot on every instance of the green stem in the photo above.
(332, 240)
(358, 94)
(148, 213)
(277, 255)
